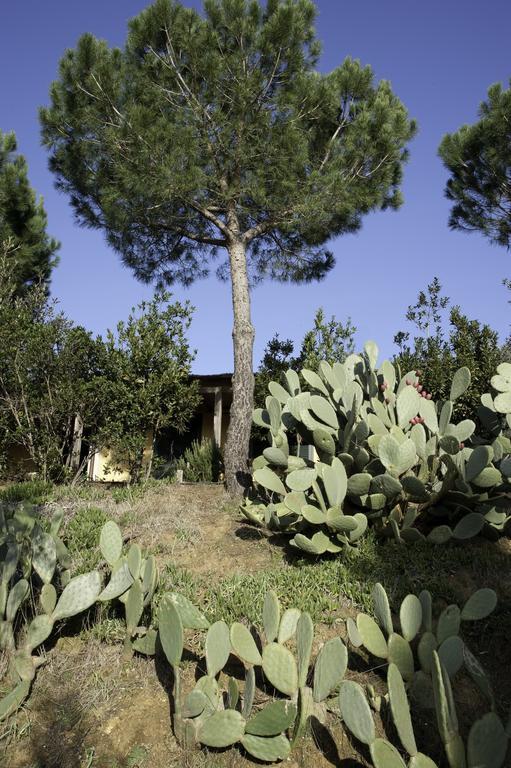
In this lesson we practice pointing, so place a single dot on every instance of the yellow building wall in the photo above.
(101, 460)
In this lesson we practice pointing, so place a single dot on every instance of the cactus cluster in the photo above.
(384, 454)
(133, 580)
(487, 742)
(217, 714)
(34, 568)
(282, 654)
(409, 641)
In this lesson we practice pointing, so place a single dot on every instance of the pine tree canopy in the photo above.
(23, 220)
(478, 158)
(214, 124)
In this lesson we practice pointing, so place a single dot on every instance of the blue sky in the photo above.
(440, 58)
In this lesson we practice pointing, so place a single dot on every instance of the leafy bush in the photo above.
(201, 462)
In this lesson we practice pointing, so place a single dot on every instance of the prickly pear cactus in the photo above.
(35, 576)
(360, 445)
(133, 580)
(408, 642)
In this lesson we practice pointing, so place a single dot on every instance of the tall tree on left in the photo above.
(23, 220)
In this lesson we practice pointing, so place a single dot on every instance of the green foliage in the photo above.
(439, 353)
(82, 534)
(47, 378)
(478, 158)
(273, 141)
(145, 384)
(31, 252)
(58, 383)
(31, 492)
(386, 455)
(201, 462)
(328, 340)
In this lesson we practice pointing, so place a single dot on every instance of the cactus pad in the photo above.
(288, 624)
(401, 709)
(218, 647)
(330, 667)
(304, 639)
(448, 623)
(372, 636)
(48, 598)
(78, 595)
(110, 542)
(356, 712)
(410, 616)
(271, 616)
(120, 581)
(479, 605)
(171, 632)
(243, 644)
(487, 742)
(191, 617)
(279, 666)
(267, 749)
(450, 653)
(382, 608)
(400, 654)
(222, 729)
(385, 755)
(44, 556)
(275, 718)
(38, 631)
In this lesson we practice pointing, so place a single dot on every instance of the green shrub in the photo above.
(32, 492)
(201, 462)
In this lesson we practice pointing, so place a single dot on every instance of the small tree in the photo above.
(217, 133)
(329, 340)
(478, 158)
(146, 384)
(448, 340)
(46, 376)
(23, 220)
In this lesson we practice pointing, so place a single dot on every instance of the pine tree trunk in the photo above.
(236, 453)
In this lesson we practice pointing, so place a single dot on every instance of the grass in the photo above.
(31, 492)
(323, 587)
(82, 536)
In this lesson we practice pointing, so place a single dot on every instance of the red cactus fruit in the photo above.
(428, 396)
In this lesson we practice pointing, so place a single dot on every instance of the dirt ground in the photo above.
(90, 708)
